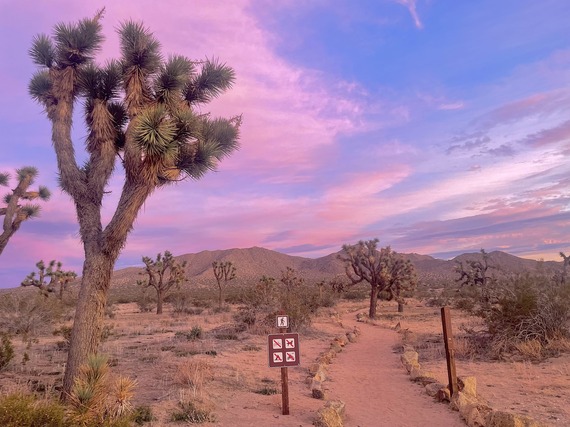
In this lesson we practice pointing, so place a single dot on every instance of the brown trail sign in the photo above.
(283, 351)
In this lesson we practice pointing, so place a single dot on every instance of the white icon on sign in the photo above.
(290, 356)
(289, 343)
(277, 343)
(277, 357)
(282, 321)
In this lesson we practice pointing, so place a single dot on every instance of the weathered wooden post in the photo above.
(449, 350)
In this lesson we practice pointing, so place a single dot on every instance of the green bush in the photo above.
(19, 410)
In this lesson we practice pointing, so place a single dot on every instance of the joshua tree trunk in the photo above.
(400, 307)
(159, 297)
(373, 301)
(102, 249)
(220, 295)
(89, 315)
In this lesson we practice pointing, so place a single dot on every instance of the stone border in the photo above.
(332, 414)
(473, 409)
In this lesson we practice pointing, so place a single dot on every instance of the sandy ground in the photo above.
(370, 379)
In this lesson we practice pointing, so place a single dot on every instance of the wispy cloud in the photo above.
(411, 6)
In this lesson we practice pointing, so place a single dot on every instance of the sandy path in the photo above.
(370, 379)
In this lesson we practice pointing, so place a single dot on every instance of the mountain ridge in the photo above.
(255, 262)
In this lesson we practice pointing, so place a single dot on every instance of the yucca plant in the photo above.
(141, 109)
(97, 398)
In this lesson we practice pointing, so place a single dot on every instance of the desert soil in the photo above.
(367, 375)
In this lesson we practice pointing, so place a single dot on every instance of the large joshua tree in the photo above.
(140, 109)
(15, 213)
(383, 270)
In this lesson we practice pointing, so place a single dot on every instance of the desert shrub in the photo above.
(145, 301)
(196, 333)
(21, 410)
(142, 414)
(194, 412)
(6, 351)
(267, 391)
(358, 292)
(28, 316)
(251, 347)
(524, 314)
(221, 309)
(65, 332)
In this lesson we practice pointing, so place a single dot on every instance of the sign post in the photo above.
(449, 350)
(283, 352)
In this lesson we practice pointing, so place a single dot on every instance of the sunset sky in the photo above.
(438, 126)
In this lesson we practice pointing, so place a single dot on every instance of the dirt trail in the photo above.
(370, 379)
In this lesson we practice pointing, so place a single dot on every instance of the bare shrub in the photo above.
(28, 316)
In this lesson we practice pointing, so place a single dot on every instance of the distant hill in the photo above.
(253, 263)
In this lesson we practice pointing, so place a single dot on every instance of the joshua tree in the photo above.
(290, 280)
(223, 272)
(163, 274)
(476, 273)
(141, 109)
(402, 278)
(58, 279)
(383, 269)
(14, 213)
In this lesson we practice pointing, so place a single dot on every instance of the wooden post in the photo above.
(285, 391)
(449, 350)
(284, 384)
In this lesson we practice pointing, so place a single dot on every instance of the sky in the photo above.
(438, 126)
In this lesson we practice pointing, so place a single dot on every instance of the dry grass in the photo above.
(194, 373)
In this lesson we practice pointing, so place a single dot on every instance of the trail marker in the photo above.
(282, 321)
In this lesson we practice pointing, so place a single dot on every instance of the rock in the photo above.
(397, 327)
(331, 415)
(422, 377)
(327, 357)
(341, 340)
(362, 317)
(443, 395)
(336, 347)
(314, 368)
(317, 390)
(473, 417)
(433, 388)
(467, 385)
(320, 375)
(410, 360)
(351, 336)
(338, 405)
(508, 419)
